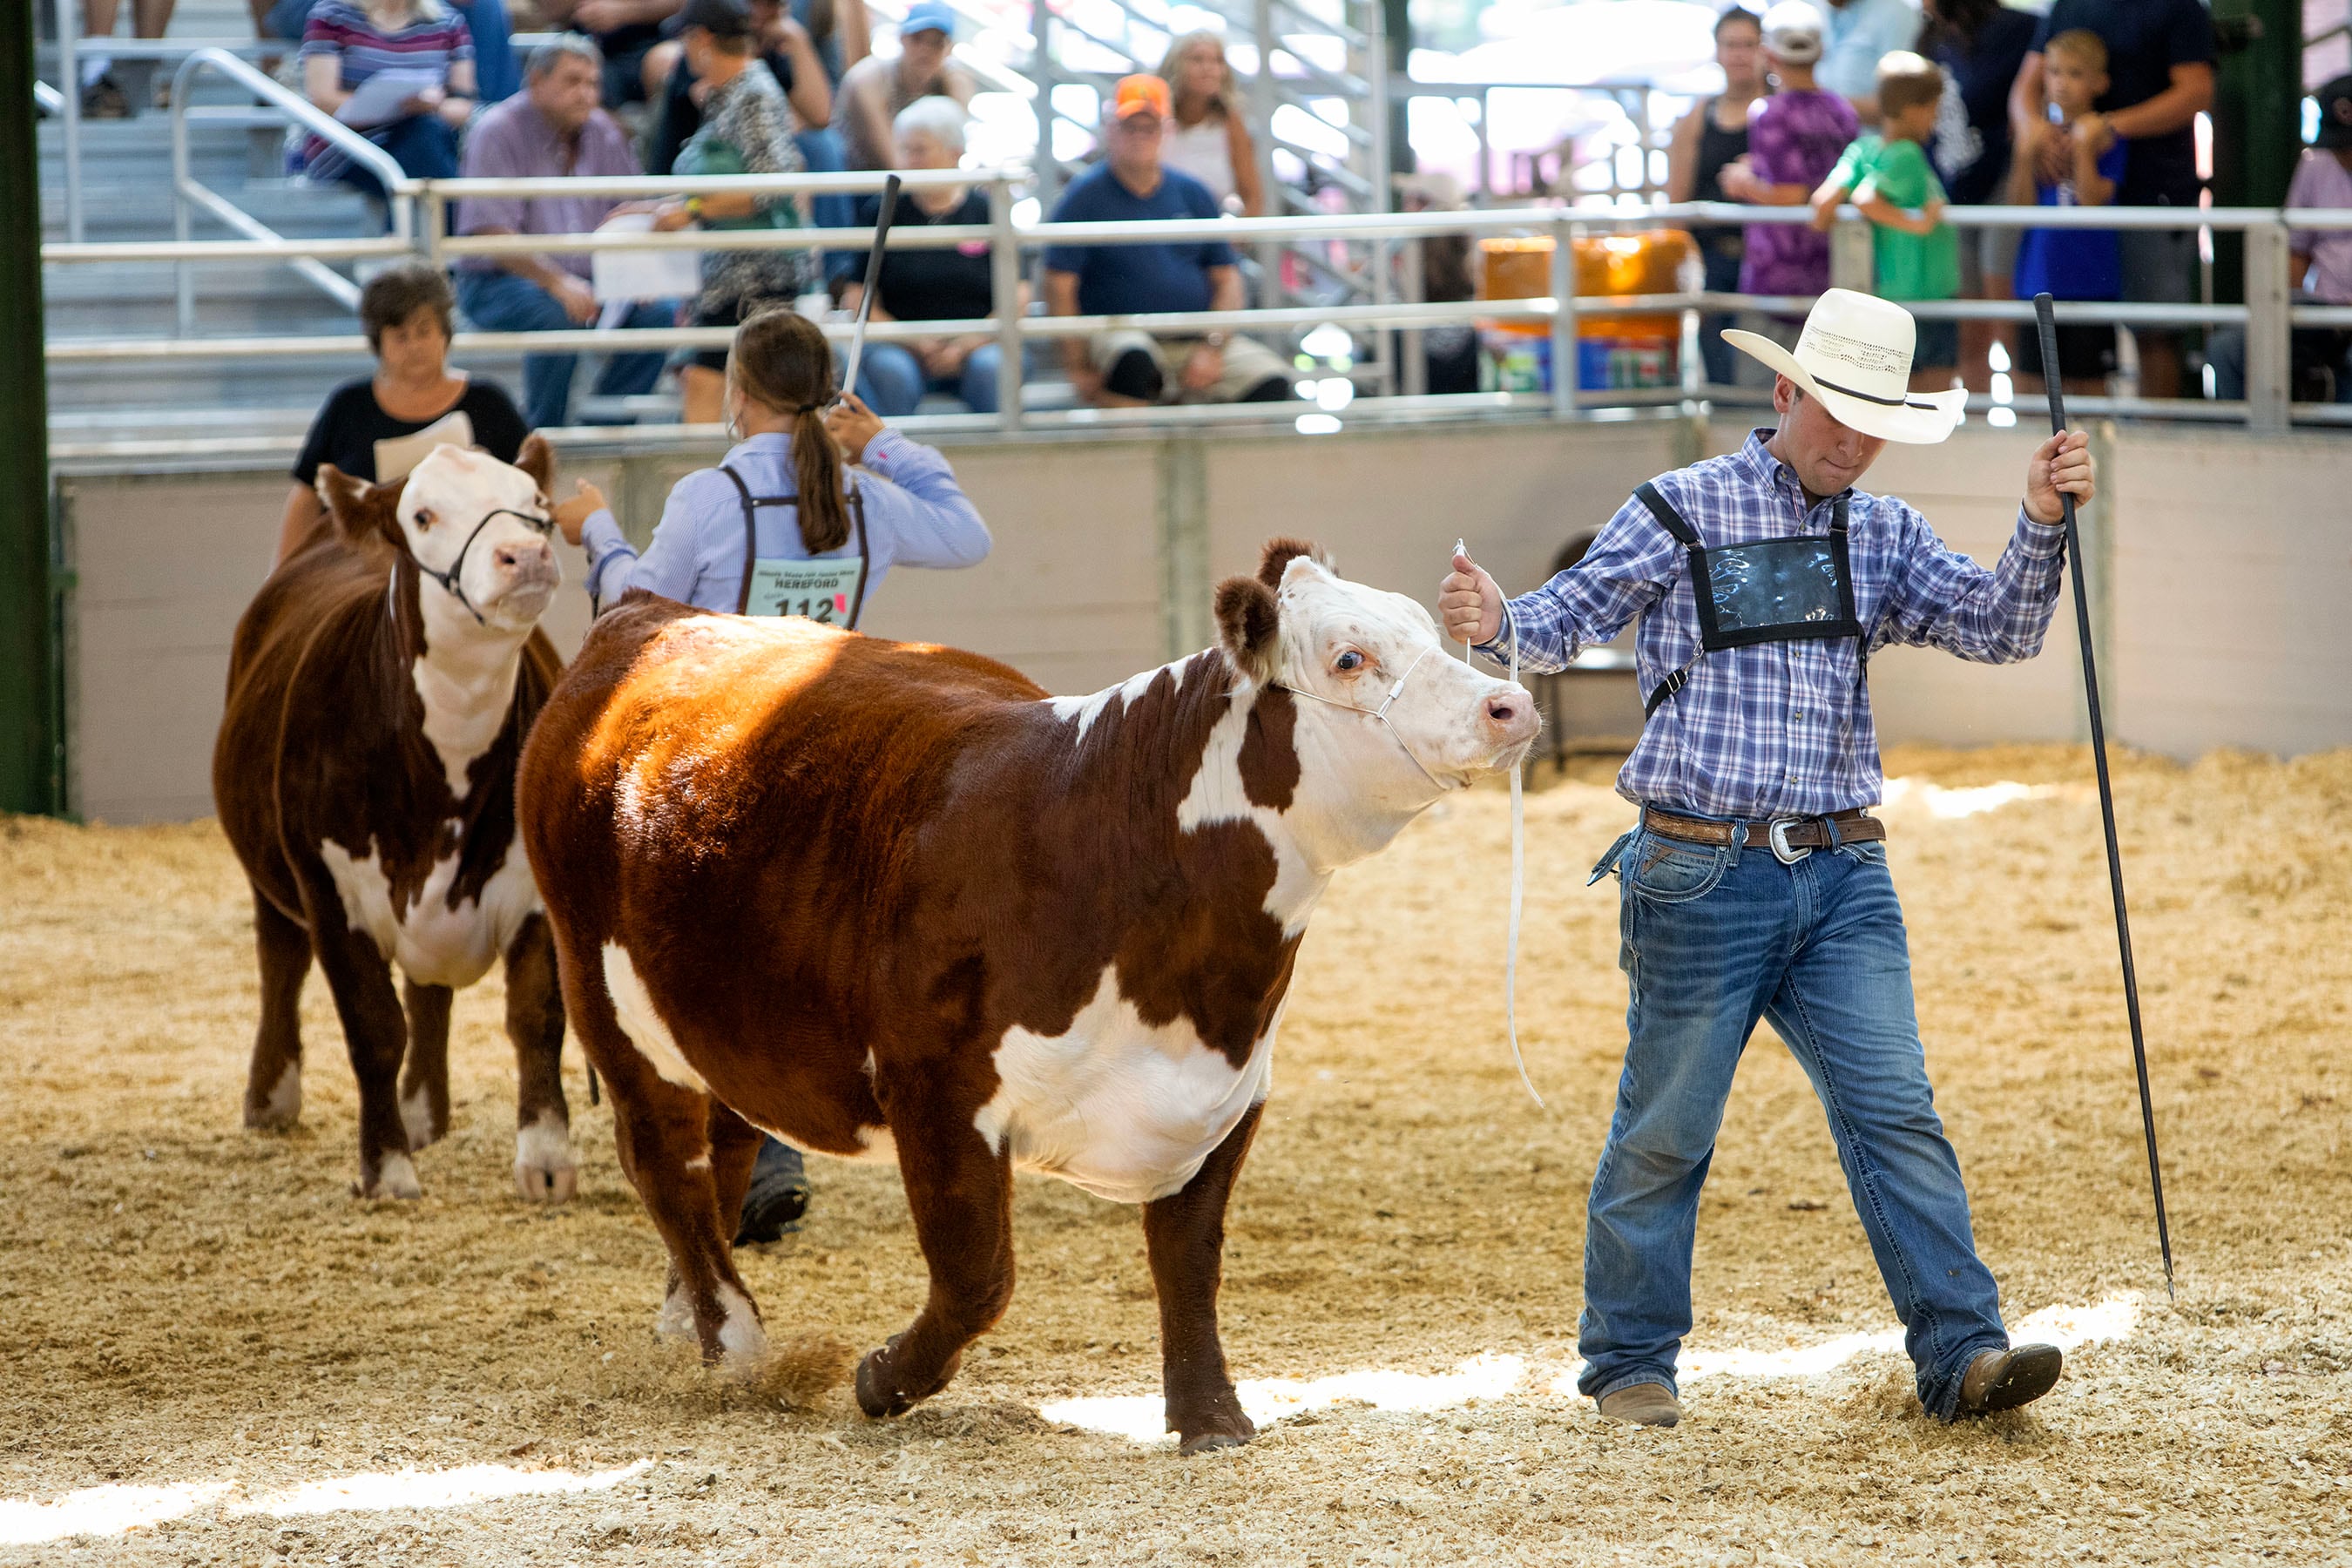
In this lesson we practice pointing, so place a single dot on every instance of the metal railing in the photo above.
(188, 193)
(2268, 317)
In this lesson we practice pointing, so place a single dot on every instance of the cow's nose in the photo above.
(523, 554)
(1511, 715)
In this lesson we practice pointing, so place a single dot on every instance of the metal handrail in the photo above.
(188, 191)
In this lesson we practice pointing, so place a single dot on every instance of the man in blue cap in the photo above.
(877, 87)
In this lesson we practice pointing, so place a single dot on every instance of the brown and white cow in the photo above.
(892, 901)
(380, 688)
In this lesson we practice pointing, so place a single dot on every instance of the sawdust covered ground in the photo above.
(182, 1303)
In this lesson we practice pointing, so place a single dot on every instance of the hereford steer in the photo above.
(380, 688)
(892, 901)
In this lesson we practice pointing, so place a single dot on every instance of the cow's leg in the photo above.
(273, 1085)
(961, 1191)
(734, 1150)
(661, 1135)
(1184, 1234)
(545, 1170)
(424, 1072)
(374, 1031)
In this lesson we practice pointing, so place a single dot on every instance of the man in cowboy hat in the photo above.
(1756, 885)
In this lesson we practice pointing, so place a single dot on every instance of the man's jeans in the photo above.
(504, 302)
(1712, 939)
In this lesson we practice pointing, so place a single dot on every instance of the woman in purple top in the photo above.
(1794, 139)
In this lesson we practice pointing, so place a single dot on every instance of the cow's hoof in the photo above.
(545, 1171)
(396, 1177)
(1209, 1442)
(1221, 1427)
(875, 1393)
(282, 1109)
(416, 1116)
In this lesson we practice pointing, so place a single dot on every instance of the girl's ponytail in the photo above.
(781, 359)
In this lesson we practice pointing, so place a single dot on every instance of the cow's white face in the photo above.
(476, 526)
(1446, 726)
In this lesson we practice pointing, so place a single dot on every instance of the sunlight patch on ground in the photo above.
(1142, 1417)
(100, 1511)
(1950, 803)
(115, 1510)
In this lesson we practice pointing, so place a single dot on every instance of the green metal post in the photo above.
(31, 767)
(2257, 117)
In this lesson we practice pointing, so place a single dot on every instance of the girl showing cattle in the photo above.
(780, 529)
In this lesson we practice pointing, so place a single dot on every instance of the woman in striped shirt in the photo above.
(347, 42)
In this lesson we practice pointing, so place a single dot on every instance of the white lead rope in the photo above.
(1518, 871)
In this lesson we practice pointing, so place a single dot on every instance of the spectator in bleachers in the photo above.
(553, 129)
(1709, 140)
(1858, 33)
(365, 426)
(2075, 263)
(931, 285)
(2321, 267)
(747, 128)
(626, 32)
(1210, 138)
(876, 89)
(497, 74)
(1131, 368)
(1979, 44)
(791, 56)
(1886, 175)
(2160, 76)
(346, 43)
(107, 93)
(1794, 139)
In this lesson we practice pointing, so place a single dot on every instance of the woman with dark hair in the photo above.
(780, 528)
(1207, 138)
(1981, 44)
(1709, 140)
(378, 426)
(747, 129)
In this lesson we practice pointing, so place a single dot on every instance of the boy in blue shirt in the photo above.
(2075, 263)
(1125, 367)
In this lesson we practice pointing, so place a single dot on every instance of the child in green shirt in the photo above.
(1890, 180)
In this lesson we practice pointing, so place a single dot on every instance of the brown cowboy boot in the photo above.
(1643, 1405)
(2004, 1380)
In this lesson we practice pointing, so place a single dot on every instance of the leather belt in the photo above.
(1790, 838)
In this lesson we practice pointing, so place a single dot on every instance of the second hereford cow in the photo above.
(892, 901)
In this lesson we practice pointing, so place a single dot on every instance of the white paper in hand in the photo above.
(377, 101)
(643, 273)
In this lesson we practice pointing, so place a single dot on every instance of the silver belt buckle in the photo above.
(1779, 837)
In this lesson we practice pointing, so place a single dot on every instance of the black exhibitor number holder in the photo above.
(2045, 320)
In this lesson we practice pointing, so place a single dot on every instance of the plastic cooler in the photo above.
(1611, 352)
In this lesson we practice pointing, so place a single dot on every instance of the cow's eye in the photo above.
(1349, 662)
(425, 516)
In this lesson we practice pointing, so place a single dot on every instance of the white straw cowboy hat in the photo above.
(1855, 356)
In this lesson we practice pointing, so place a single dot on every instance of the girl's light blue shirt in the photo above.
(916, 515)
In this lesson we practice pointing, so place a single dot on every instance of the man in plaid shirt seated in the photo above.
(1756, 884)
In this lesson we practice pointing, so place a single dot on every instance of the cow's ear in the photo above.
(1281, 552)
(1247, 623)
(361, 510)
(537, 459)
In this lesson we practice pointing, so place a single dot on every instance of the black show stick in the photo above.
(873, 281)
(2046, 319)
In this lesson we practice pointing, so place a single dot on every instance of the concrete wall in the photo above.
(2225, 559)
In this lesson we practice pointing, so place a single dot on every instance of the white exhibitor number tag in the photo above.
(822, 591)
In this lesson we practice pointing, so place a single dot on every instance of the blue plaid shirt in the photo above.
(1778, 728)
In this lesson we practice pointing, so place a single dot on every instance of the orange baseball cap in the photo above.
(1141, 95)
